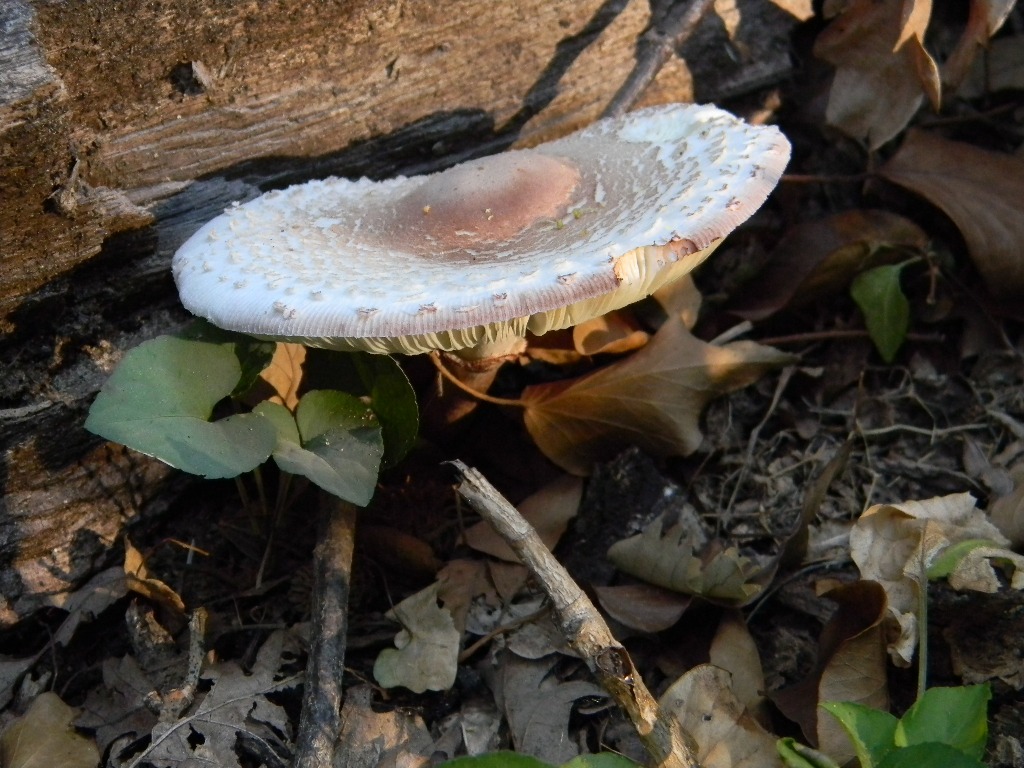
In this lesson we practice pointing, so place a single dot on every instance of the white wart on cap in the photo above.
(473, 257)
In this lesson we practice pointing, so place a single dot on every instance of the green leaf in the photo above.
(381, 379)
(393, 400)
(159, 401)
(333, 439)
(886, 309)
(954, 716)
(950, 558)
(797, 755)
(871, 731)
(929, 755)
(496, 760)
(253, 355)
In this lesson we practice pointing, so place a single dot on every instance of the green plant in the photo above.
(945, 728)
(181, 398)
(886, 310)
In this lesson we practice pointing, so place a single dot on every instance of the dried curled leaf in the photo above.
(670, 561)
(426, 658)
(652, 399)
(882, 68)
(981, 191)
(727, 735)
(44, 737)
(900, 545)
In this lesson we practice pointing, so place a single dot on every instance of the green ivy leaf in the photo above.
(886, 310)
(797, 755)
(333, 439)
(393, 400)
(930, 755)
(378, 377)
(253, 355)
(954, 716)
(872, 731)
(159, 401)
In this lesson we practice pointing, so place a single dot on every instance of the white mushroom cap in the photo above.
(479, 254)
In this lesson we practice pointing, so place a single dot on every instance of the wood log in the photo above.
(124, 126)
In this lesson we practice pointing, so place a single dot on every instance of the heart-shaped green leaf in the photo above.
(159, 401)
(334, 440)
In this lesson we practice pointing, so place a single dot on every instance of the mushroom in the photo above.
(470, 259)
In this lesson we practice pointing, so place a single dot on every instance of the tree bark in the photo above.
(125, 126)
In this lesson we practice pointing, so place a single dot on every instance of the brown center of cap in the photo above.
(490, 199)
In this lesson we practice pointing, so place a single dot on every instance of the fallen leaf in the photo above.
(116, 709)
(1007, 511)
(984, 20)
(819, 258)
(801, 9)
(1000, 69)
(897, 544)
(642, 606)
(427, 654)
(669, 560)
(612, 333)
(139, 581)
(236, 702)
(537, 706)
(652, 399)
(882, 68)
(43, 737)
(549, 511)
(394, 738)
(981, 191)
(727, 735)
(733, 649)
(680, 297)
(284, 374)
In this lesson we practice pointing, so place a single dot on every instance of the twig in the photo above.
(320, 722)
(581, 624)
(435, 358)
(655, 48)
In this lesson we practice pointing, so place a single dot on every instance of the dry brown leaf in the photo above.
(800, 9)
(680, 297)
(613, 333)
(733, 649)
(819, 258)
(727, 11)
(981, 191)
(986, 17)
(895, 544)
(427, 648)
(139, 581)
(1007, 511)
(44, 738)
(716, 573)
(727, 735)
(643, 606)
(395, 738)
(284, 374)
(851, 667)
(549, 511)
(882, 68)
(459, 583)
(652, 399)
